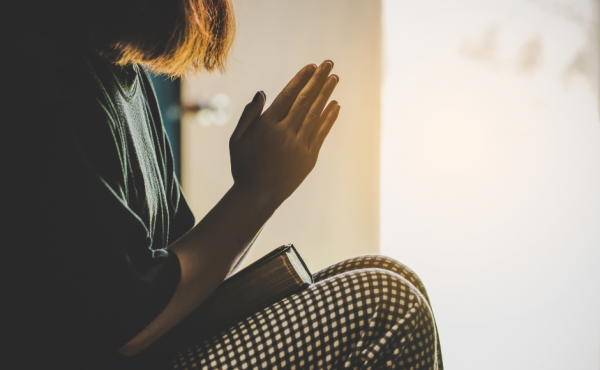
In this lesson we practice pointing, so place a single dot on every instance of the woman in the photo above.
(106, 238)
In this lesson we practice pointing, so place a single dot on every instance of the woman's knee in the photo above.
(373, 287)
(404, 271)
(376, 299)
(376, 262)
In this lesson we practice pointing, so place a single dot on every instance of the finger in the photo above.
(321, 121)
(283, 102)
(307, 96)
(312, 120)
(249, 115)
(326, 126)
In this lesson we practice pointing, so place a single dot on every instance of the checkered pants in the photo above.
(368, 312)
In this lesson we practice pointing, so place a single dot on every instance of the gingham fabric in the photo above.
(368, 312)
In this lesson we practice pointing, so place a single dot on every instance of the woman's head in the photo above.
(174, 37)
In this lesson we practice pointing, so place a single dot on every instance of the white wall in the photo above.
(334, 214)
(490, 185)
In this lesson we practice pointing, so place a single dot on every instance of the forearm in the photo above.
(240, 261)
(207, 254)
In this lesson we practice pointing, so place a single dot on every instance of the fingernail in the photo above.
(263, 94)
(310, 68)
(328, 61)
(256, 97)
(337, 79)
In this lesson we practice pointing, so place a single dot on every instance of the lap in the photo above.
(354, 316)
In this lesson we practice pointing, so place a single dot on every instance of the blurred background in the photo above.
(468, 148)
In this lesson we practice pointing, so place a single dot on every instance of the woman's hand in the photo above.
(273, 152)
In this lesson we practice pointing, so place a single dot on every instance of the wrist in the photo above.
(257, 197)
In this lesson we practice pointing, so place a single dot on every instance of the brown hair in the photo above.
(173, 37)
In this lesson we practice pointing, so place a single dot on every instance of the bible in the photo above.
(275, 276)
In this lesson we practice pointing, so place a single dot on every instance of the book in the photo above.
(275, 276)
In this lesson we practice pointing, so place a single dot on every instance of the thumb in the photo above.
(250, 114)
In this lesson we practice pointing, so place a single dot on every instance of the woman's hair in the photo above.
(173, 37)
